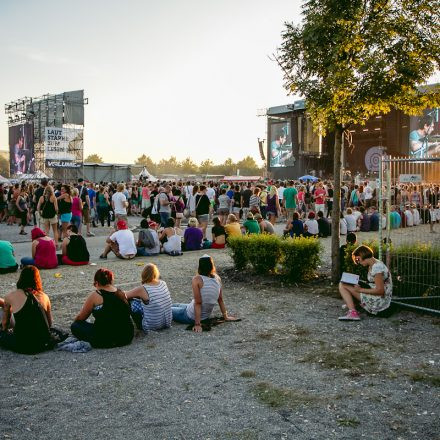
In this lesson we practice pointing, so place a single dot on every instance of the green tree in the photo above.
(168, 166)
(248, 166)
(146, 162)
(93, 158)
(4, 167)
(207, 166)
(228, 167)
(187, 166)
(352, 59)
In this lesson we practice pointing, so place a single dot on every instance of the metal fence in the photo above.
(410, 229)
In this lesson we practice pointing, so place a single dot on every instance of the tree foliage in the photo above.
(146, 162)
(4, 167)
(353, 59)
(93, 158)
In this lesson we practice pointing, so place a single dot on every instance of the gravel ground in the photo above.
(288, 370)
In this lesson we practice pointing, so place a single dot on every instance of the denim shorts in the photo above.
(65, 218)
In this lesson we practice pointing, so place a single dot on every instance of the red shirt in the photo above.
(46, 254)
(319, 196)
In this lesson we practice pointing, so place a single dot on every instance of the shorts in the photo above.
(66, 217)
(146, 203)
(236, 210)
(203, 218)
(86, 215)
(290, 212)
(223, 211)
(51, 221)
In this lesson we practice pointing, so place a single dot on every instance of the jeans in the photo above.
(28, 261)
(76, 220)
(83, 331)
(164, 216)
(180, 315)
(142, 252)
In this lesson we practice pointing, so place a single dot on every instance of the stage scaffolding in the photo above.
(64, 110)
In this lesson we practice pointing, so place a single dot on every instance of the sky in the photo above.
(181, 78)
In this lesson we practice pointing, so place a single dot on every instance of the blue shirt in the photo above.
(92, 197)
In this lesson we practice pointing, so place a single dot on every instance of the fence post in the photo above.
(381, 163)
(388, 212)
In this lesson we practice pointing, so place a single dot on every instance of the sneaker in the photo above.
(90, 234)
(352, 315)
(103, 257)
(23, 233)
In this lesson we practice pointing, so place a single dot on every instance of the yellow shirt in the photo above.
(233, 229)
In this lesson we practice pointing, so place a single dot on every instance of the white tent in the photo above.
(147, 175)
(38, 175)
(3, 179)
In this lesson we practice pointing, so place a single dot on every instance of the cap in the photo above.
(122, 224)
(152, 224)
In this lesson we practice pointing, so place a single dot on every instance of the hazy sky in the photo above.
(182, 78)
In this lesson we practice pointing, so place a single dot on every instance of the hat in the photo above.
(122, 224)
(152, 224)
(250, 215)
(37, 233)
(205, 256)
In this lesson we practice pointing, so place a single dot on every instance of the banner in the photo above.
(62, 164)
(61, 143)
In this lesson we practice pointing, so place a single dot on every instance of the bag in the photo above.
(186, 213)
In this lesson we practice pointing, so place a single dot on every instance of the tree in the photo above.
(352, 59)
(169, 166)
(187, 166)
(93, 158)
(248, 166)
(207, 166)
(146, 162)
(4, 167)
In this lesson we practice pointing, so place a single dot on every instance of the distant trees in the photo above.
(93, 158)
(4, 167)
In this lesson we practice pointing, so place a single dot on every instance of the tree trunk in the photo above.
(336, 211)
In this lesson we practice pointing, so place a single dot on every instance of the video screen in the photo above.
(21, 149)
(280, 151)
(424, 134)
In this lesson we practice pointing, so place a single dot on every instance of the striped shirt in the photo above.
(157, 313)
(210, 293)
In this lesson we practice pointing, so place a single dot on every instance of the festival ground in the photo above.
(288, 370)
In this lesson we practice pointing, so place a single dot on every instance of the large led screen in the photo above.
(280, 151)
(424, 135)
(21, 149)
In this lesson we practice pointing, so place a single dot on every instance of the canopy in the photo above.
(36, 176)
(3, 179)
(240, 178)
(147, 175)
(308, 177)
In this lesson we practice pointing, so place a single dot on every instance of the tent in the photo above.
(3, 179)
(147, 175)
(38, 175)
(240, 179)
(308, 177)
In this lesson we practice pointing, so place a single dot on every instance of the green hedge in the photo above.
(415, 268)
(296, 258)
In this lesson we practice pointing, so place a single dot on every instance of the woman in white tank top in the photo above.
(207, 291)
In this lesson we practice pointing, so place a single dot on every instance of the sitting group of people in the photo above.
(26, 324)
(311, 227)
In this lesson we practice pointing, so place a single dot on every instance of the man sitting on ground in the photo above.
(265, 225)
(148, 241)
(121, 243)
(250, 226)
(7, 260)
(323, 225)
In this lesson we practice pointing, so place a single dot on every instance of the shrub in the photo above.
(297, 258)
(300, 257)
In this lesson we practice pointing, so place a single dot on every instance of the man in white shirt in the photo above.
(119, 204)
(409, 216)
(351, 221)
(356, 213)
(121, 243)
(368, 193)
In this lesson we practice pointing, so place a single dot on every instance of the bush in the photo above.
(296, 258)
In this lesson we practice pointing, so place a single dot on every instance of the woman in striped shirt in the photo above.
(207, 291)
(151, 302)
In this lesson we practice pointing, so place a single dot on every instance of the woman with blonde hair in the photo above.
(273, 203)
(193, 236)
(48, 209)
(151, 302)
(232, 226)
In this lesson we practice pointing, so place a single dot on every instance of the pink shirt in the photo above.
(145, 193)
(46, 254)
(319, 194)
(76, 210)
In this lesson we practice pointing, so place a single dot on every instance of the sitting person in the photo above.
(343, 227)
(31, 310)
(363, 220)
(266, 226)
(109, 306)
(250, 226)
(193, 236)
(374, 219)
(218, 234)
(7, 259)
(44, 252)
(351, 221)
(395, 219)
(374, 299)
(409, 217)
(324, 226)
(151, 302)
(74, 249)
(171, 239)
(311, 228)
(121, 243)
(351, 240)
(296, 227)
(148, 240)
(232, 226)
(207, 291)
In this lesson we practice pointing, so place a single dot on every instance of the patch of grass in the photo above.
(265, 335)
(429, 378)
(277, 397)
(357, 360)
(261, 308)
(349, 423)
(248, 373)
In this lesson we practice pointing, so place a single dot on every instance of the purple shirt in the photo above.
(193, 238)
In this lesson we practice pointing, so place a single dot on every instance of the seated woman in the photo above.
(207, 291)
(31, 311)
(193, 236)
(74, 249)
(7, 259)
(148, 240)
(109, 306)
(151, 302)
(376, 296)
(311, 228)
(296, 227)
(218, 234)
(44, 253)
(173, 243)
(232, 226)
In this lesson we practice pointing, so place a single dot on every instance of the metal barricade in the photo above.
(410, 229)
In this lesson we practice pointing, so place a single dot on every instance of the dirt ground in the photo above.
(288, 370)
